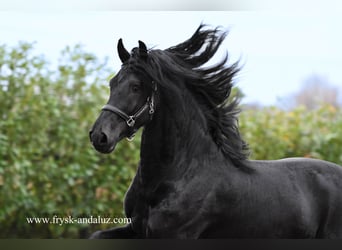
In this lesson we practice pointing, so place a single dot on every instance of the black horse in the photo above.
(194, 179)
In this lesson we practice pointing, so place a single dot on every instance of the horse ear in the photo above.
(142, 49)
(123, 53)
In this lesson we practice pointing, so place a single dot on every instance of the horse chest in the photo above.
(167, 212)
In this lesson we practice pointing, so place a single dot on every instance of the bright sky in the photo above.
(278, 50)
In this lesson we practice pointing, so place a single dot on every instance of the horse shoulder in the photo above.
(188, 206)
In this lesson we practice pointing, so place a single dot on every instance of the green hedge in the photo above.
(48, 166)
(273, 133)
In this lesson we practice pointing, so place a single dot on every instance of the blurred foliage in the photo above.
(273, 133)
(48, 166)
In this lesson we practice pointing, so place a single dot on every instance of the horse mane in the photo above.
(210, 86)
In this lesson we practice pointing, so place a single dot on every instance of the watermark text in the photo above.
(62, 220)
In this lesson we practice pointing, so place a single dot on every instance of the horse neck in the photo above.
(176, 135)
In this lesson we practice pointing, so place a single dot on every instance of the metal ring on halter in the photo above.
(130, 122)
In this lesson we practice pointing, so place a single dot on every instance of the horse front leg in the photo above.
(125, 232)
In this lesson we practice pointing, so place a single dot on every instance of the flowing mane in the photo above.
(211, 86)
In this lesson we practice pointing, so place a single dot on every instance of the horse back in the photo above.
(314, 189)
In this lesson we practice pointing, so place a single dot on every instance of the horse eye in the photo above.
(136, 88)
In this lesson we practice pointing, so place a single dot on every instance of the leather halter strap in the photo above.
(130, 119)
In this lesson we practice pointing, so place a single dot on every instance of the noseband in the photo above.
(130, 119)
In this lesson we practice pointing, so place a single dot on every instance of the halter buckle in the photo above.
(130, 122)
(151, 101)
(151, 111)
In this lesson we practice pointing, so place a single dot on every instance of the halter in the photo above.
(130, 119)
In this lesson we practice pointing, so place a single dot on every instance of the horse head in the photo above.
(131, 102)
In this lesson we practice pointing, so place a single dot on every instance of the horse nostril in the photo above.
(103, 139)
(98, 138)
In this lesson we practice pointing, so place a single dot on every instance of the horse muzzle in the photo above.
(104, 138)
